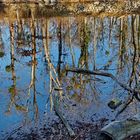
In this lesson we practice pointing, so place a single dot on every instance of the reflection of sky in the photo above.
(23, 74)
(104, 53)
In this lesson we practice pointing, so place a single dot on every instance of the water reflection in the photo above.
(34, 54)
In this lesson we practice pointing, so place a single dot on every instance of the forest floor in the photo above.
(57, 131)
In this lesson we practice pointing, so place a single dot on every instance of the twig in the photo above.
(129, 100)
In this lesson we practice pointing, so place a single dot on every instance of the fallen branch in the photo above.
(105, 74)
(135, 92)
(60, 115)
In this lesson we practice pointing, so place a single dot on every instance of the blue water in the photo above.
(90, 94)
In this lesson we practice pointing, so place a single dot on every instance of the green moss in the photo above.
(1, 54)
(21, 108)
(107, 52)
(8, 68)
(113, 104)
(12, 89)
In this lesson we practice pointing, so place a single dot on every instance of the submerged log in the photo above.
(60, 115)
(119, 130)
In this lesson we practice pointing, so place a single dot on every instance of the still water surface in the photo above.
(31, 50)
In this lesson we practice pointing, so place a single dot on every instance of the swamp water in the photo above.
(31, 51)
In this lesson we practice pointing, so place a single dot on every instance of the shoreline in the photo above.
(97, 8)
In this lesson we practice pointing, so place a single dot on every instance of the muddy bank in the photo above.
(57, 131)
(98, 8)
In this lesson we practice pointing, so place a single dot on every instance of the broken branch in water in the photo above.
(105, 74)
(60, 115)
(135, 92)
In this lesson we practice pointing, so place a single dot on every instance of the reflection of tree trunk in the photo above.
(1, 42)
(121, 48)
(54, 100)
(45, 33)
(134, 61)
(0, 36)
(34, 53)
(33, 72)
(20, 30)
(12, 54)
(19, 22)
(60, 47)
(13, 87)
(95, 40)
(137, 36)
(52, 72)
(95, 44)
(138, 40)
(110, 30)
(70, 43)
(83, 60)
(139, 33)
(17, 12)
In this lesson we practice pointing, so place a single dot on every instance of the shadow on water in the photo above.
(34, 56)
